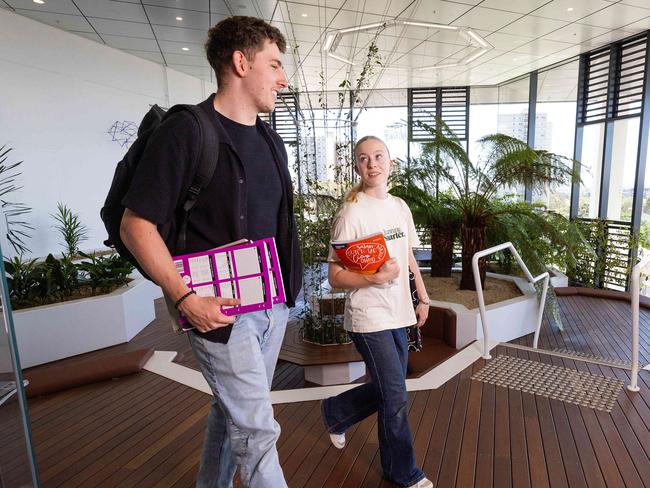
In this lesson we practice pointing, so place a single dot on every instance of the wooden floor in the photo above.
(146, 431)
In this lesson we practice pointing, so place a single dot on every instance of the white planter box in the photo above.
(52, 332)
(507, 320)
(558, 279)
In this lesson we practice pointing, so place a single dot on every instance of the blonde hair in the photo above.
(351, 195)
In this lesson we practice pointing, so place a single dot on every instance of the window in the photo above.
(621, 179)
(512, 118)
(590, 171)
(555, 126)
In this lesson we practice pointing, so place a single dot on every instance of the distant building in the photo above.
(516, 125)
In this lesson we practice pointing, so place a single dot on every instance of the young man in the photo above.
(250, 196)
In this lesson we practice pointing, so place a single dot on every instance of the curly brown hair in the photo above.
(239, 33)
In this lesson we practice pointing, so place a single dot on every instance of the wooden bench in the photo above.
(438, 342)
(342, 363)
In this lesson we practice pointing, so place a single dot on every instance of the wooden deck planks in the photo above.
(129, 432)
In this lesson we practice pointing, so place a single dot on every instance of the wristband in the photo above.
(181, 299)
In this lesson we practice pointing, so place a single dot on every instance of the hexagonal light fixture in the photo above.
(334, 37)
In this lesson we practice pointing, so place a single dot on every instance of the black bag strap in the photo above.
(208, 157)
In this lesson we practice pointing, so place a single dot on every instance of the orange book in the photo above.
(364, 255)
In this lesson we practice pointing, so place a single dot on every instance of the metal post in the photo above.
(532, 116)
(574, 210)
(642, 153)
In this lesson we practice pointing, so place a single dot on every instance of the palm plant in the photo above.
(478, 189)
(434, 211)
(18, 230)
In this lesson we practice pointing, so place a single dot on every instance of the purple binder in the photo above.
(249, 271)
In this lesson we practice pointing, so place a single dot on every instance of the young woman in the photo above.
(377, 311)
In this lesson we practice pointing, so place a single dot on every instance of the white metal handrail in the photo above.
(479, 291)
(634, 301)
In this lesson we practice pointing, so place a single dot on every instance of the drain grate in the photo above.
(621, 363)
(554, 382)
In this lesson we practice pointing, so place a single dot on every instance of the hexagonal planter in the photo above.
(60, 330)
(507, 320)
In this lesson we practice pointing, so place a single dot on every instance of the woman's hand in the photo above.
(422, 312)
(388, 271)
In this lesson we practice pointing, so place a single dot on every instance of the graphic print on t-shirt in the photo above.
(394, 233)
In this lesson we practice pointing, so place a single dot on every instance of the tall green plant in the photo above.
(70, 228)
(438, 213)
(477, 187)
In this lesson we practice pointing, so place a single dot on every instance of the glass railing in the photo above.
(17, 462)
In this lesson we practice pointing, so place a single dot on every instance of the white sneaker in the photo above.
(339, 441)
(423, 483)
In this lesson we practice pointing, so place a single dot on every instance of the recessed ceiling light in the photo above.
(185, 48)
(40, 2)
(304, 15)
(179, 18)
(570, 9)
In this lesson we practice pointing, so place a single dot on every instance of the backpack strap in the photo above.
(208, 157)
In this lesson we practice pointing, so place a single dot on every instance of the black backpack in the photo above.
(112, 211)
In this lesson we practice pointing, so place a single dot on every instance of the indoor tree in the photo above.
(436, 212)
(480, 189)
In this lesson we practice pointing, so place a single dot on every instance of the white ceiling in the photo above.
(526, 34)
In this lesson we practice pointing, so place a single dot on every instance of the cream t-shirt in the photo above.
(378, 307)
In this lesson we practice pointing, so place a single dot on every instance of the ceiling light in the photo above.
(479, 45)
(340, 58)
(475, 56)
(40, 2)
(185, 48)
(430, 25)
(328, 42)
(438, 66)
(363, 27)
(303, 15)
(570, 9)
(478, 39)
(179, 18)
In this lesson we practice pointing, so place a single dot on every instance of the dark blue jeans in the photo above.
(385, 354)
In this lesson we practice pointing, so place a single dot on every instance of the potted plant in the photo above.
(477, 188)
(435, 211)
(64, 306)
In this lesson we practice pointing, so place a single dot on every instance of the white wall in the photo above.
(59, 94)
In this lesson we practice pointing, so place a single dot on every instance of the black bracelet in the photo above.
(180, 300)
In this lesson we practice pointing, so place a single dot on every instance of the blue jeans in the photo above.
(241, 429)
(385, 354)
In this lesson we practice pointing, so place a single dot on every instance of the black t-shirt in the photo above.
(264, 188)
(166, 170)
(221, 214)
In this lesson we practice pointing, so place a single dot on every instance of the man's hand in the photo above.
(422, 312)
(204, 313)
(388, 271)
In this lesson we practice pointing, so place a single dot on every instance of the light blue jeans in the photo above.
(241, 429)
